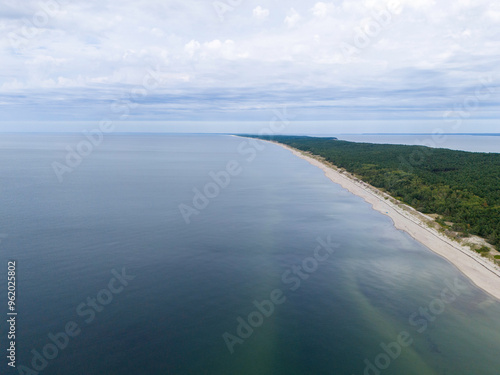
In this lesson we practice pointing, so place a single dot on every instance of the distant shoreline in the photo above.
(475, 134)
(483, 273)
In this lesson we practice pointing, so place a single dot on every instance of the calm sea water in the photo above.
(474, 143)
(194, 283)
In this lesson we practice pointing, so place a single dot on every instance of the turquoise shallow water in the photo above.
(369, 286)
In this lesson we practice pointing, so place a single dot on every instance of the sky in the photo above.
(344, 63)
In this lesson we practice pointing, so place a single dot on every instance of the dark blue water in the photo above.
(187, 287)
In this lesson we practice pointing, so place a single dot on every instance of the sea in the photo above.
(213, 254)
(464, 142)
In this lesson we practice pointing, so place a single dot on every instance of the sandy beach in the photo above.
(482, 272)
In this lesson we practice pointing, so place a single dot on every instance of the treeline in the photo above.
(463, 187)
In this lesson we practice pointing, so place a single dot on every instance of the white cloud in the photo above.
(260, 13)
(157, 32)
(94, 45)
(418, 4)
(213, 45)
(321, 9)
(192, 47)
(46, 60)
(292, 18)
(494, 15)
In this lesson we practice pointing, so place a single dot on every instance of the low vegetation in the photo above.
(483, 249)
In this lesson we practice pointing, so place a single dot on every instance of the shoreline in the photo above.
(483, 273)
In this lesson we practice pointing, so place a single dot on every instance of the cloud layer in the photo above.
(179, 60)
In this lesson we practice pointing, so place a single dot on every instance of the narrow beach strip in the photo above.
(480, 271)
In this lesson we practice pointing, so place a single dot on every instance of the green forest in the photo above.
(462, 187)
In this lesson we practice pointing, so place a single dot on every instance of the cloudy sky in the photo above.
(235, 60)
